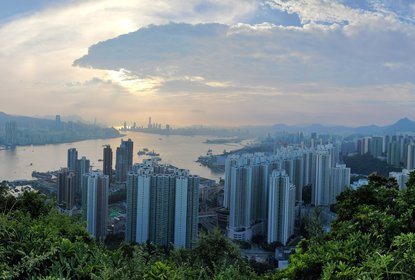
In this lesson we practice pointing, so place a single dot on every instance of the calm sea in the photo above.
(180, 151)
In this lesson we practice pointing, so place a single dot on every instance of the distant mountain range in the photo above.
(39, 121)
(38, 131)
(24, 121)
(404, 125)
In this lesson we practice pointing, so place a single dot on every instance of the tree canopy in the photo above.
(373, 237)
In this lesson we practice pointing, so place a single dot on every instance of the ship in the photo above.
(152, 154)
(41, 175)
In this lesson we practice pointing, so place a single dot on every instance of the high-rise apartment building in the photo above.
(393, 153)
(66, 189)
(339, 180)
(321, 184)
(162, 205)
(107, 161)
(72, 159)
(95, 203)
(410, 157)
(124, 160)
(281, 207)
(376, 146)
(11, 134)
(82, 167)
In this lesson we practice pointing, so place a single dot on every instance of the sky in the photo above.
(211, 62)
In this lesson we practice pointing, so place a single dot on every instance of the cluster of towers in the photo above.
(396, 150)
(261, 191)
(162, 201)
(162, 205)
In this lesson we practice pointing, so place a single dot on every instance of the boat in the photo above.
(41, 175)
(153, 154)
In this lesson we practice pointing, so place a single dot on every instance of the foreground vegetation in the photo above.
(36, 242)
(373, 237)
(367, 164)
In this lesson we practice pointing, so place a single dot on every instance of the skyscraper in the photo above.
(96, 203)
(162, 205)
(410, 157)
(107, 161)
(393, 153)
(82, 167)
(186, 210)
(281, 207)
(58, 123)
(138, 207)
(124, 160)
(72, 159)
(129, 147)
(321, 185)
(66, 189)
(248, 195)
(376, 146)
(339, 180)
(11, 134)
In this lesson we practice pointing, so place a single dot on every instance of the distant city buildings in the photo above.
(152, 127)
(11, 134)
(396, 150)
(162, 205)
(58, 123)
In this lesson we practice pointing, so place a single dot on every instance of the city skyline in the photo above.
(215, 63)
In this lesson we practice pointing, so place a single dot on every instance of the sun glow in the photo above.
(133, 83)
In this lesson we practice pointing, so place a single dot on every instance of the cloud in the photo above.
(39, 44)
(261, 55)
(247, 61)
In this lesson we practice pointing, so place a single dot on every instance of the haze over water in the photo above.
(180, 151)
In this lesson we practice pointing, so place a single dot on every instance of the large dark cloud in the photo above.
(260, 55)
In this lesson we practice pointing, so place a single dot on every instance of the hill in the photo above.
(37, 131)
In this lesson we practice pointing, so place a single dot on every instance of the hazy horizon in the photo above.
(216, 63)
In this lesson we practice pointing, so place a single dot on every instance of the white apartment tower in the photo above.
(410, 158)
(96, 188)
(281, 207)
(339, 180)
(321, 185)
(162, 205)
